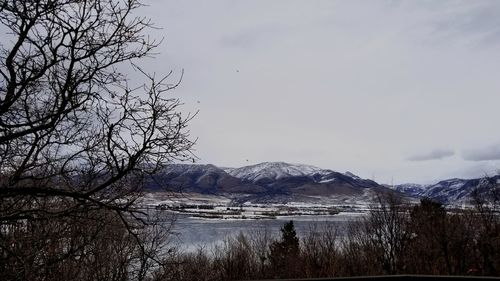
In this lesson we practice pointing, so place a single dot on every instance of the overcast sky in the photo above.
(402, 91)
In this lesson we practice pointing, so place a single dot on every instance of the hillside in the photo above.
(267, 182)
(284, 182)
(452, 191)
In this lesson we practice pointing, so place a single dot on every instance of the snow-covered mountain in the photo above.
(275, 171)
(281, 175)
(460, 190)
(199, 178)
(411, 189)
(266, 181)
(452, 191)
(271, 180)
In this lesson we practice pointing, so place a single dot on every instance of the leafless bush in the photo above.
(320, 251)
(93, 246)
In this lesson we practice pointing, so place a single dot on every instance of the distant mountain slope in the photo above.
(452, 190)
(281, 181)
(411, 189)
(269, 171)
(293, 175)
(199, 178)
(265, 180)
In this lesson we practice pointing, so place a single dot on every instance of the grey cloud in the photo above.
(479, 20)
(433, 155)
(482, 154)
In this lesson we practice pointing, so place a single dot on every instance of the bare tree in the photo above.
(320, 250)
(75, 135)
(486, 199)
(388, 232)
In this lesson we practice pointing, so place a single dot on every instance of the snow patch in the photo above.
(275, 170)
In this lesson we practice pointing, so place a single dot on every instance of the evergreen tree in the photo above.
(284, 253)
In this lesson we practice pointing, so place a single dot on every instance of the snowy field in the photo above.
(225, 208)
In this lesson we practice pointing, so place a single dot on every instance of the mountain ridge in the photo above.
(265, 180)
(288, 181)
(452, 191)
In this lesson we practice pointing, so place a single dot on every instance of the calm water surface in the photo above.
(191, 233)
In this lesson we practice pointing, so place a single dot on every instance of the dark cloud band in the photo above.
(433, 155)
(482, 154)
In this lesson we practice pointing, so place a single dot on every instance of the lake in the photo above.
(191, 233)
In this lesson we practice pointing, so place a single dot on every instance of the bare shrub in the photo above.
(320, 251)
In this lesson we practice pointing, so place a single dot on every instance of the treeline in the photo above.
(394, 238)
